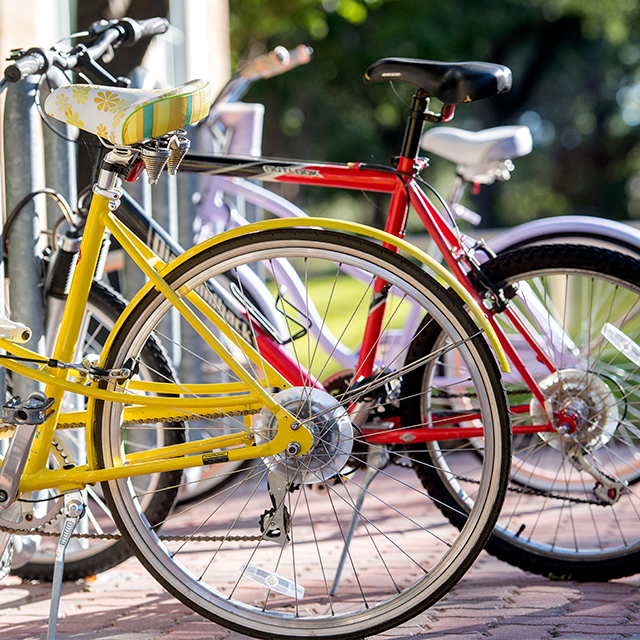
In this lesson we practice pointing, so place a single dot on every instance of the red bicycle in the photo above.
(572, 508)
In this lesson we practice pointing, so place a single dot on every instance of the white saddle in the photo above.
(479, 154)
(126, 116)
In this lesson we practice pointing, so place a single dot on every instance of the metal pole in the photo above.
(23, 175)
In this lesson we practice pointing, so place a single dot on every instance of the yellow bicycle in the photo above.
(273, 535)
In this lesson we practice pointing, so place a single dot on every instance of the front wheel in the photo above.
(572, 509)
(342, 542)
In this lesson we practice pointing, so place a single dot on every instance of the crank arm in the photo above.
(27, 416)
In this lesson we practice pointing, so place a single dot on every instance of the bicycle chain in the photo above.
(253, 538)
(540, 493)
(118, 536)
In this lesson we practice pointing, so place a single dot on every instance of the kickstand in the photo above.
(73, 510)
(377, 459)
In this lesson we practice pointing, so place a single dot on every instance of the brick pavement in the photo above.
(493, 601)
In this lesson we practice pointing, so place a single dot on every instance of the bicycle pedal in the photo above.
(27, 416)
(14, 331)
(34, 410)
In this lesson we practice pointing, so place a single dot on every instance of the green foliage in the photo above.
(576, 85)
(611, 19)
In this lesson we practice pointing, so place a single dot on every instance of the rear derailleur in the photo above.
(275, 523)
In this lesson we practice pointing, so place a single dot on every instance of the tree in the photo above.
(575, 85)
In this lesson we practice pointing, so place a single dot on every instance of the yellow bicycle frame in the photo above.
(248, 394)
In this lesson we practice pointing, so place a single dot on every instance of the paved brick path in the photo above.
(493, 601)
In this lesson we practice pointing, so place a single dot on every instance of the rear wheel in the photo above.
(572, 506)
(279, 563)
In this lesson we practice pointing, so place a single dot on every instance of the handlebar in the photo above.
(33, 61)
(117, 33)
(135, 30)
(276, 62)
(265, 66)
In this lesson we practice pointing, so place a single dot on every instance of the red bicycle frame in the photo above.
(402, 185)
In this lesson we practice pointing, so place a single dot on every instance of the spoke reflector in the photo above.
(272, 581)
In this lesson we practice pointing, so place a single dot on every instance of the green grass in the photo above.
(343, 305)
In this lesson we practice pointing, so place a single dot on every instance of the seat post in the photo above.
(415, 123)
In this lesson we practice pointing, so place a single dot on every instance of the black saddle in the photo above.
(449, 82)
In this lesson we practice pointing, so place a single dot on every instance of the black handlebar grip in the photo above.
(34, 61)
(134, 30)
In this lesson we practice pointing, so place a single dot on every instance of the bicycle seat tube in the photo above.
(71, 319)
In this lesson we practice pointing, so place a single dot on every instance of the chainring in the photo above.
(30, 520)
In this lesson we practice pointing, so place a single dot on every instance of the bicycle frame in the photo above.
(191, 454)
(401, 185)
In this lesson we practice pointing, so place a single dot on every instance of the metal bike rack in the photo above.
(23, 175)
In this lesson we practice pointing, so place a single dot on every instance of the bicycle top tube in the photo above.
(355, 175)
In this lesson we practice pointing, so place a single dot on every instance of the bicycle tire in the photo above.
(84, 559)
(392, 582)
(552, 522)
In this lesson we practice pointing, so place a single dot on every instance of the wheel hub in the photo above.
(330, 426)
(585, 409)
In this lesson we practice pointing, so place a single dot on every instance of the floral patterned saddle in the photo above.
(127, 116)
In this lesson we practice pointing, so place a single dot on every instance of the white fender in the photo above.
(570, 229)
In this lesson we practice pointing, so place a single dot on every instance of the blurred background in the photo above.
(576, 67)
